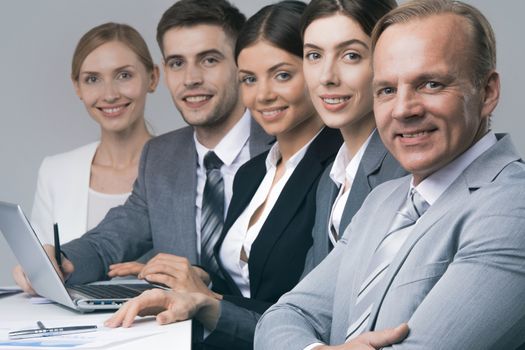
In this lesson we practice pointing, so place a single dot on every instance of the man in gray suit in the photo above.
(197, 39)
(444, 248)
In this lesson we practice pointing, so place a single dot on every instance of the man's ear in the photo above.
(491, 91)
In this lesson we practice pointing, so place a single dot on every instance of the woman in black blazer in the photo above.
(267, 231)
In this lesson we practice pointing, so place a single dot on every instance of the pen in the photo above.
(42, 331)
(58, 251)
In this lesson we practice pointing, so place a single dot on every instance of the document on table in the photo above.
(100, 339)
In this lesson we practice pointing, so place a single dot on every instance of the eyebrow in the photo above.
(340, 45)
(199, 55)
(444, 77)
(116, 69)
(269, 70)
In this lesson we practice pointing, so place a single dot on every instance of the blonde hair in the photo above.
(105, 33)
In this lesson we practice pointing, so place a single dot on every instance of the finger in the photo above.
(386, 337)
(132, 312)
(121, 271)
(116, 319)
(168, 259)
(163, 280)
(67, 267)
(161, 268)
(50, 251)
(21, 280)
(126, 270)
(167, 316)
(149, 302)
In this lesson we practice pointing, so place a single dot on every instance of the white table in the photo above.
(18, 308)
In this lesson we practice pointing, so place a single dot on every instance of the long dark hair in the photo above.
(279, 24)
(364, 12)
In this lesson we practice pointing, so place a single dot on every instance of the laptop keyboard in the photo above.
(111, 291)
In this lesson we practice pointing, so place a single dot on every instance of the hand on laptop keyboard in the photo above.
(176, 273)
(130, 268)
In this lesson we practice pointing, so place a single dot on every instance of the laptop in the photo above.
(45, 280)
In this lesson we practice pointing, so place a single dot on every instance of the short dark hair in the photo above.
(279, 24)
(187, 13)
(364, 12)
(482, 38)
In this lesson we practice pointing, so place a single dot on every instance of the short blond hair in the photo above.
(482, 35)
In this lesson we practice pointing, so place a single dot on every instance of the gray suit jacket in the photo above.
(376, 167)
(458, 280)
(160, 212)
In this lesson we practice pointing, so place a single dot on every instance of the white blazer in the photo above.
(62, 194)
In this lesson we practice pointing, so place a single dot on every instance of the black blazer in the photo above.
(278, 254)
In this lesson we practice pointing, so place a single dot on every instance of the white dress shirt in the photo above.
(436, 184)
(241, 235)
(233, 150)
(344, 169)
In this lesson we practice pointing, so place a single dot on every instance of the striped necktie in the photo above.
(383, 256)
(212, 212)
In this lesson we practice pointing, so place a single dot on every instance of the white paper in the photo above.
(100, 339)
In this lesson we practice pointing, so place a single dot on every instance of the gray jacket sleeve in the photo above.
(123, 235)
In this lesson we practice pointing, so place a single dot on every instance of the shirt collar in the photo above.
(345, 166)
(433, 186)
(274, 155)
(231, 144)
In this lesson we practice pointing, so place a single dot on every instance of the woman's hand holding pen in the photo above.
(64, 272)
(65, 269)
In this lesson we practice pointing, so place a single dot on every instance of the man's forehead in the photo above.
(446, 26)
(196, 39)
(429, 40)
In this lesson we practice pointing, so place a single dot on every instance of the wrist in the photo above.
(207, 310)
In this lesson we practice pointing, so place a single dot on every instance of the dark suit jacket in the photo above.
(277, 255)
(160, 212)
(376, 167)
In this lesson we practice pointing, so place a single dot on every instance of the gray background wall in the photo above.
(41, 115)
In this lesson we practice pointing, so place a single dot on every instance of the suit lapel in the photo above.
(245, 187)
(183, 187)
(454, 195)
(291, 197)
(363, 237)
(327, 197)
(372, 158)
(83, 186)
(478, 174)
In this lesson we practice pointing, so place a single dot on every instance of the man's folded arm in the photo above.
(478, 302)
